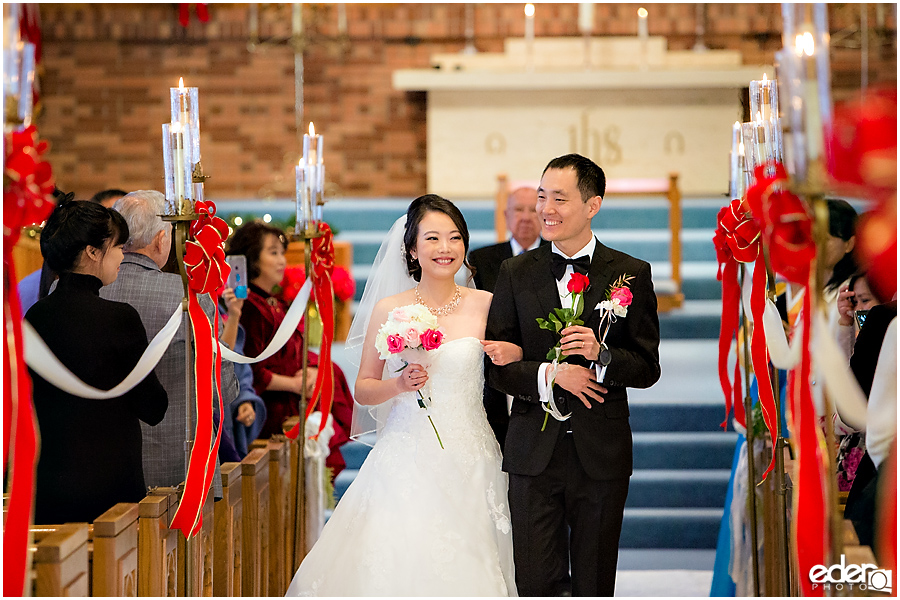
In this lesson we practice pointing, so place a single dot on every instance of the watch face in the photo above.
(605, 355)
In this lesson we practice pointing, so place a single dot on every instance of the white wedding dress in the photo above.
(419, 520)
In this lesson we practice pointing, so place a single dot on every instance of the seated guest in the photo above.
(524, 227)
(90, 455)
(108, 197)
(279, 378)
(856, 296)
(155, 296)
(247, 412)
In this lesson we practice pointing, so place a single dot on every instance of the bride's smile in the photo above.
(439, 246)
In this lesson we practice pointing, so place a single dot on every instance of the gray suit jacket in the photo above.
(155, 295)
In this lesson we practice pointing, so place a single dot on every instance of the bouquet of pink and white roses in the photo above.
(409, 331)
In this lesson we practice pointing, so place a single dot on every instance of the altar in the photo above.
(630, 104)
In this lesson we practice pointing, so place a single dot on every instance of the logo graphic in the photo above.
(865, 577)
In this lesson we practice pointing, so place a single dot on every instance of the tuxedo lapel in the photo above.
(543, 283)
(600, 275)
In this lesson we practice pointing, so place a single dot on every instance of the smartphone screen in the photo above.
(237, 279)
(861, 317)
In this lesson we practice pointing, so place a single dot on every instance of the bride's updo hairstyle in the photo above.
(414, 215)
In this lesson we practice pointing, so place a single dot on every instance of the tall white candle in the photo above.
(313, 145)
(586, 17)
(178, 159)
(529, 35)
(643, 31)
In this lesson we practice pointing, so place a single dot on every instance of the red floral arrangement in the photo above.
(295, 277)
(27, 181)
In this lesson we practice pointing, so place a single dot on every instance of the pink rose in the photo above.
(400, 315)
(431, 339)
(623, 295)
(412, 337)
(395, 343)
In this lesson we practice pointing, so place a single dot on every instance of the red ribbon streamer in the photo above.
(787, 227)
(736, 240)
(27, 199)
(322, 258)
(207, 271)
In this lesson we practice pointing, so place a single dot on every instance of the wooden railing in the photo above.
(669, 292)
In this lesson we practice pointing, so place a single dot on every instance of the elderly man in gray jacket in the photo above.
(156, 295)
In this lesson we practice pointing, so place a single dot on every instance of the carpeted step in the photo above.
(677, 488)
(670, 527)
(676, 415)
(684, 450)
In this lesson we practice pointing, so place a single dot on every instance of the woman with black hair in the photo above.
(279, 379)
(90, 449)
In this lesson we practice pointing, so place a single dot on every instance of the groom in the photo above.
(568, 482)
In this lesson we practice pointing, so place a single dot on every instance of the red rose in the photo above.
(623, 294)
(578, 283)
(344, 286)
(292, 281)
(431, 339)
(395, 344)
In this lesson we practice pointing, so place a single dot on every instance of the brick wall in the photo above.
(108, 67)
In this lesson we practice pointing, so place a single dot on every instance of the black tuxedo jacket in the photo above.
(487, 263)
(526, 290)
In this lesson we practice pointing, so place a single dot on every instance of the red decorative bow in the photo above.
(207, 272)
(737, 241)
(27, 199)
(322, 258)
(184, 13)
(787, 226)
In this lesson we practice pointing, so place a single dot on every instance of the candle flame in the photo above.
(759, 116)
(529, 10)
(642, 12)
(175, 127)
(312, 129)
(805, 43)
(741, 148)
(765, 79)
(181, 83)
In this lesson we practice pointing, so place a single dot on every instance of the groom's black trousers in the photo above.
(544, 507)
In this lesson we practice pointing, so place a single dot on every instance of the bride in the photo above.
(419, 519)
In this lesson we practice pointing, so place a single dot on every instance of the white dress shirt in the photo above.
(517, 248)
(566, 302)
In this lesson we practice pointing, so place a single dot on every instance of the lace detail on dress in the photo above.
(498, 513)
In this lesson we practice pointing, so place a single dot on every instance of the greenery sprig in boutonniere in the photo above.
(556, 321)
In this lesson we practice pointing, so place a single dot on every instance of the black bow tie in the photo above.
(558, 264)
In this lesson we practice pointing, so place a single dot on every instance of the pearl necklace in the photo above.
(444, 310)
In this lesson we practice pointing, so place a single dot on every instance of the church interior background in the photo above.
(464, 100)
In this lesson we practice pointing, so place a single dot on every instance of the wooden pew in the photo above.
(255, 538)
(669, 292)
(296, 541)
(157, 546)
(115, 556)
(202, 556)
(60, 560)
(228, 533)
(279, 497)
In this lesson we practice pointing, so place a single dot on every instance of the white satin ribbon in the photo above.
(317, 449)
(284, 332)
(39, 357)
(547, 401)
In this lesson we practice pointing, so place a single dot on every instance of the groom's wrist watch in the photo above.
(605, 356)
